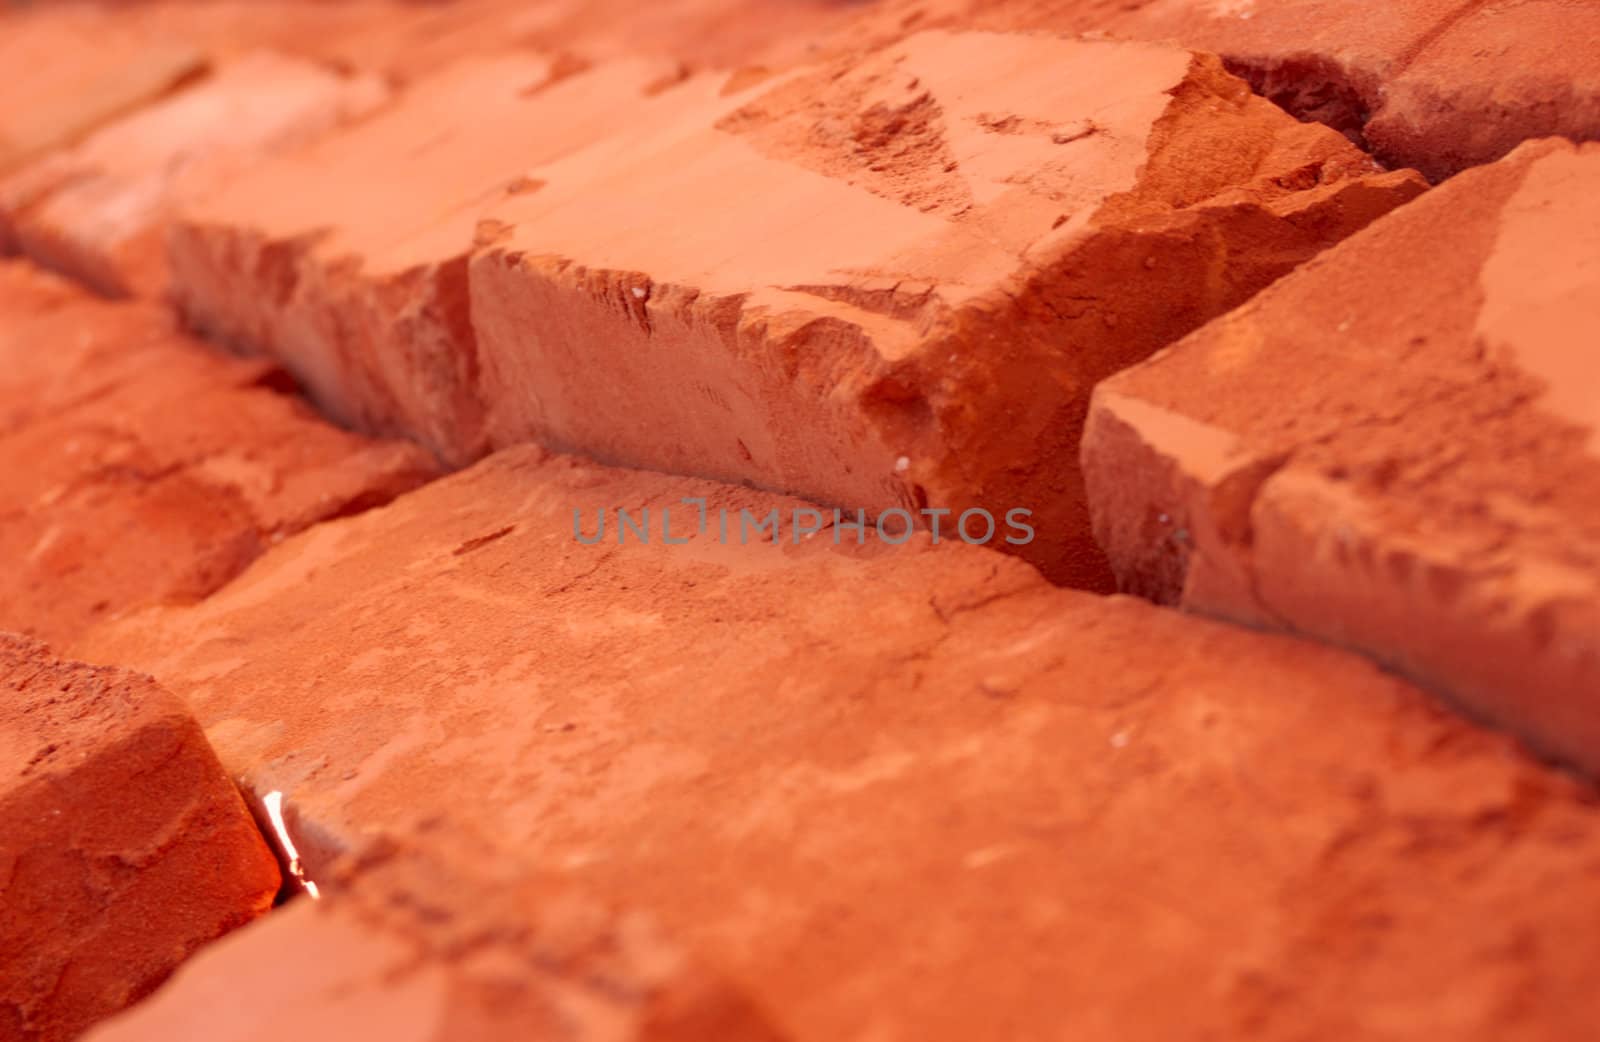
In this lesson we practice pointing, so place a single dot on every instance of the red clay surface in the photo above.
(98, 210)
(1417, 478)
(81, 70)
(138, 467)
(927, 240)
(123, 846)
(406, 40)
(820, 784)
(443, 938)
(923, 241)
(348, 260)
(907, 793)
(1438, 85)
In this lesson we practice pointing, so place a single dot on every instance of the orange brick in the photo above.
(406, 40)
(348, 260)
(123, 845)
(137, 466)
(58, 349)
(437, 937)
(1438, 85)
(98, 211)
(1432, 84)
(905, 793)
(892, 282)
(71, 68)
(1394, 449)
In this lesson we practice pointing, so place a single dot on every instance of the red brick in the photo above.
(71, 68)
(1394, 450)
(98, 210)
(1433, 84)
(123, 845)
(137, 466)
(348, 259)
(406, 40)
(908, 793)
(1498, 75)
(58, 349)
(892, 282)
(437, 938)
(1438, 85)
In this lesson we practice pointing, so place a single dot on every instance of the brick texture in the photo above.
(123, 845)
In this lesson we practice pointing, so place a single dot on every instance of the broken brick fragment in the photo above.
(137, 466)
(1395, 450)
(911, 793)
(123, 845)
(347, 260)
(98, 210)
(892, 282)
(438, 937)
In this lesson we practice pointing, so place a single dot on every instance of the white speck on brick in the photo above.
(902, 464)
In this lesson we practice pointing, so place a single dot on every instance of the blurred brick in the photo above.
(137, 466)
(98, 211)
(70, 68)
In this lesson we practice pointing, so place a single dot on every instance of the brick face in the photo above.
(98, 211)
(123, 845)
(1435, 85)
(438, 935)
(553, 748)
(138, 467)
(347, 260)
(1416, 480)
(943, 295)
(906, 791)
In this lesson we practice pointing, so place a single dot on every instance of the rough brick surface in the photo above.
(98, 211)
(908, 793)
(348, 260)
(441, 938)
(123, 845)
(1395, 450)
(1438, 85)
(137, 466)
(72, 69)
(931, 256)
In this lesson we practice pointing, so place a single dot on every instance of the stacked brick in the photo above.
(923, 241)
(1144, 297)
